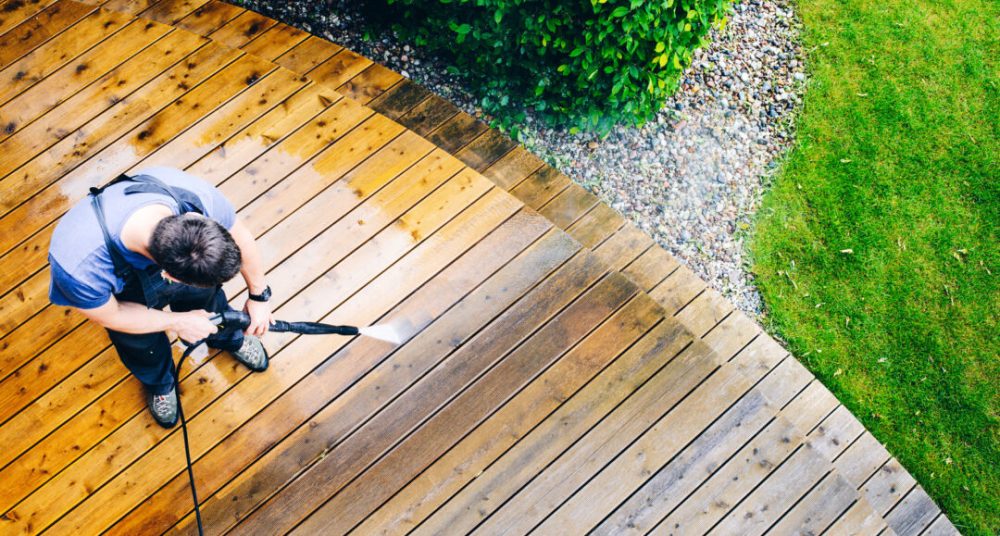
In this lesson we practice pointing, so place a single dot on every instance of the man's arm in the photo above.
(128, 317)
(252, 270)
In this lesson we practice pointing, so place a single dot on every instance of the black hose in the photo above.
(184, 431)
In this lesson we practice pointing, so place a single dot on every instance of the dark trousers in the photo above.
(148, 355)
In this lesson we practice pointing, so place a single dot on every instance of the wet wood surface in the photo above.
(559, 372)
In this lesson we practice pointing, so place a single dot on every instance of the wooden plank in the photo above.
(468, 465)
(320, 136)
(782, 389)
(569, 206)
(789, 482)
(762, 356)
(171, 11)
(370, 83)
(308, 54)
(275, 42)
(399, 99)
(705, 311)
(457, 132)
(520, 394)
(678, 290)
(615, 250)
(428, 314)
(24, 301)
(130, 7)
(540, 187)
(745, 470)
(651, 267)
(286, 196)
(672, 481)
(596, 226)
(836, 433)
(340, 68)
(730, 335)
(913, 513)
(38, 29)
(110, 90)
(217, 127)
(42, 169)
(339, 200)
(428, 115)
(599, 405)
(14, 12)
(887, 486)
(941, 527)
(48, 368)
(513, 167)
(860, 461)
(819, 508)
(564, 477)
(209, 17)
(58, 51)
(242, 29)
(258, 139)
(859, 520)
(97, 510)
(727, 486)
(482, 152)
(460, 368)
(88, 67)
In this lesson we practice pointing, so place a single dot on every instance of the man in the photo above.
(160, 237)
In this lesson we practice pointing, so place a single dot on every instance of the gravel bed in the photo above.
(692, 178)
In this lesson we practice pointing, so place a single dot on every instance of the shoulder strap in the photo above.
(122, 267)
(98, 190)
(187, 201)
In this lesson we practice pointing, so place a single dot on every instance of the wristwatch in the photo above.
(263, 296)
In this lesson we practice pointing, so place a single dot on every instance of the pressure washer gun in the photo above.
(233, 320)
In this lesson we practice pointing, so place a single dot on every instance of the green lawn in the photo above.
(897, 162)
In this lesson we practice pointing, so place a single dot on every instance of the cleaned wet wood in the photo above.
(39, 28)
(13, 12)
(58, 51)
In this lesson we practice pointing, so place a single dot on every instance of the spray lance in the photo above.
(238, 320)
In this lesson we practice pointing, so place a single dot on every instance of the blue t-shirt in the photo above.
(83, 275)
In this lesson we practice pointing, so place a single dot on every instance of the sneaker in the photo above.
(252, 354)
(164, 408)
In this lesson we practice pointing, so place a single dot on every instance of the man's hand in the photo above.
(193, 326)
(260, 317)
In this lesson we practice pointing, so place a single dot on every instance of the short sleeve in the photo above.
(220, 209)
(67, 290)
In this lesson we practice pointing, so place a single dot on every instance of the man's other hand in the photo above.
(193, 326)
(260, 317)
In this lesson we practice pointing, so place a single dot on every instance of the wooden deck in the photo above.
(562, 374)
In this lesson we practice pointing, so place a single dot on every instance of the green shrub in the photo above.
(589, 63)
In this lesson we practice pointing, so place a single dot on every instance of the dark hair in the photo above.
(195, 250)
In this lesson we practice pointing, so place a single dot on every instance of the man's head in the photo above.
(195, 250)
